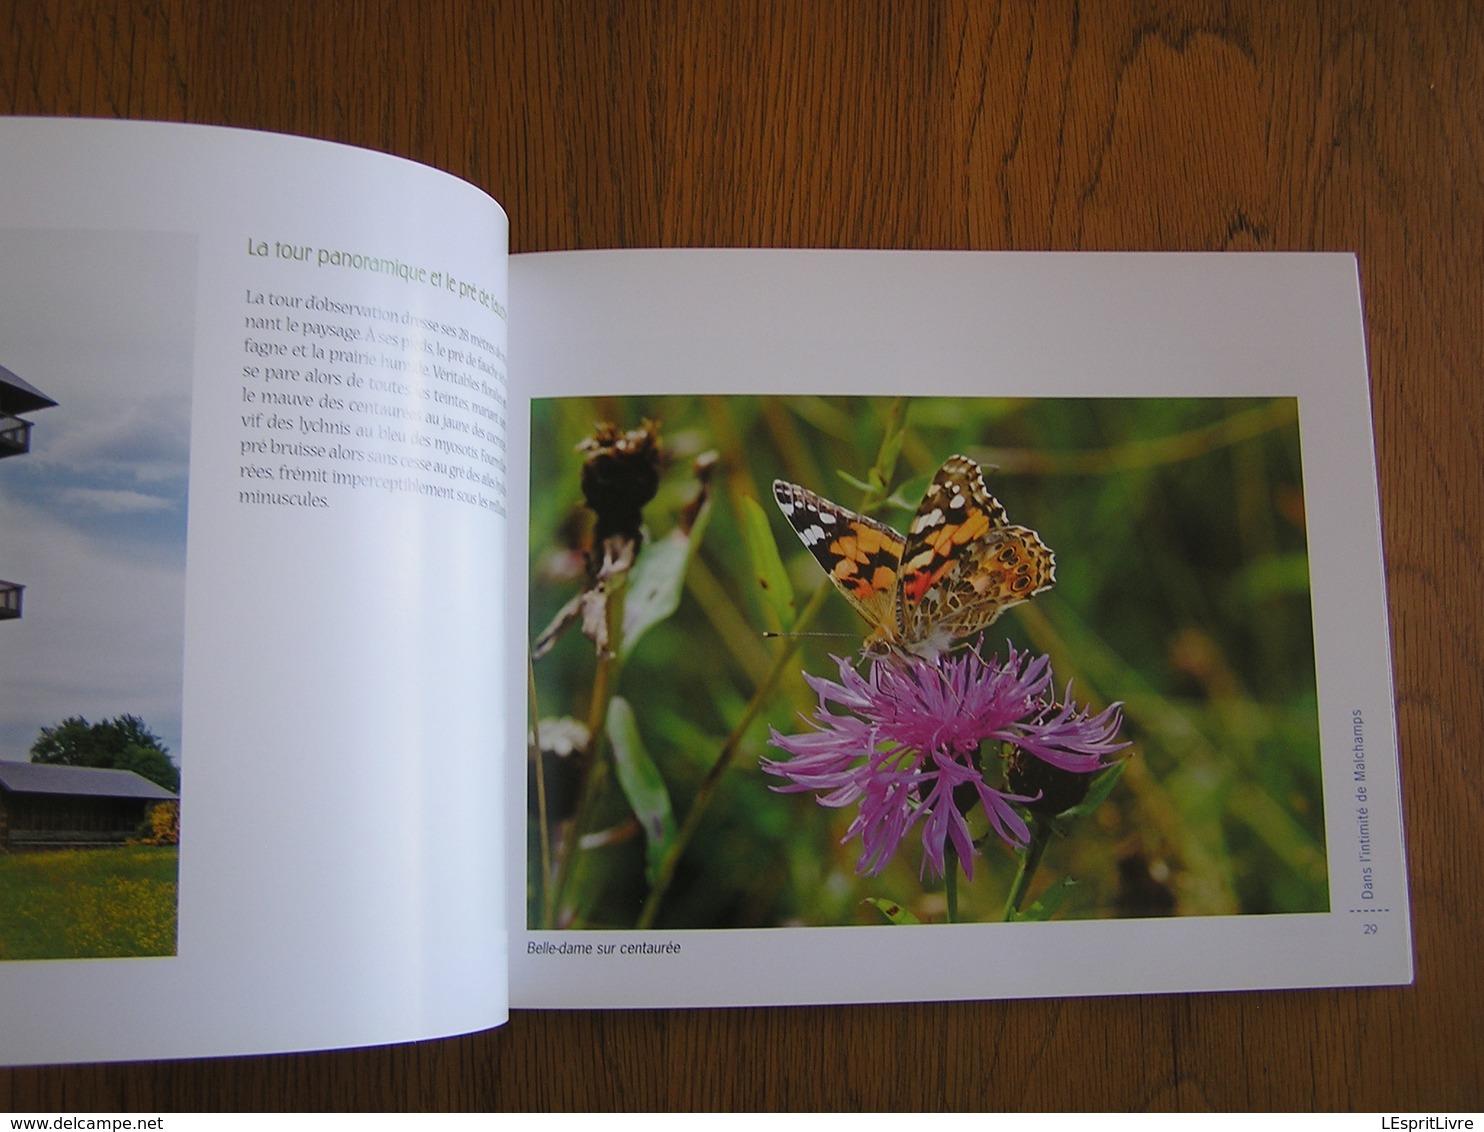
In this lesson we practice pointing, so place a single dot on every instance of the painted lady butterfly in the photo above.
(960, 565)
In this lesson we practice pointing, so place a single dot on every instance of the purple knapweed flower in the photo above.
(908, 739)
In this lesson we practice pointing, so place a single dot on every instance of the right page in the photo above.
(940, 625)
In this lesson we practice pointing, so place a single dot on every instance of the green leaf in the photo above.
(1050, 902)
(767, 566)
(658, 578)
(894, 912)
(1102, 785)
(641, 783)
(1273, 577)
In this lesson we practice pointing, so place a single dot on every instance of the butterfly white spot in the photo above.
(926, 520)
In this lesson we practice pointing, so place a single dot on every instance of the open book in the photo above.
(657, 628)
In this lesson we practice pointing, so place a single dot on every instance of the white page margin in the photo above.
(1000, 324)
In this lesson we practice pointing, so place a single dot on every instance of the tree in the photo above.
(124, 743)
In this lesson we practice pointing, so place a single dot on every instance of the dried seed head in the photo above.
(620, 474)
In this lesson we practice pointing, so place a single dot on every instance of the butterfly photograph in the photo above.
(802, 661)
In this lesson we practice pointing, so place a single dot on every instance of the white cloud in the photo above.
(100, 634)
(115, 502)
(145, 439)
(101, 322)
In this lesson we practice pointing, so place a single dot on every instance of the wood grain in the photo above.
(1129, 125)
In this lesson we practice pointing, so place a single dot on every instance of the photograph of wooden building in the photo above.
(95, 396)
(16, 397)
(44, 806)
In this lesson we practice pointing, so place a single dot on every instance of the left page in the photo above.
(253, 522)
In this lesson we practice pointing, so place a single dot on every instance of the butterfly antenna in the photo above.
(766, 633)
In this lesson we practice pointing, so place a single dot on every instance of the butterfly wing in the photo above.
(860, 555)
(963, 563)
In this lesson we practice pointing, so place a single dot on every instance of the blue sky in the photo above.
(93, 518)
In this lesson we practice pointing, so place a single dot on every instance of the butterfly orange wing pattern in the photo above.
(964, 563)
(860, 555)
(960, 565)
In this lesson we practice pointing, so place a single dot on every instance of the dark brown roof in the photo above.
(18, 396)
(94, 782)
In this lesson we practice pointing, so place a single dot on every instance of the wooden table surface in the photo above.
(1019, 125)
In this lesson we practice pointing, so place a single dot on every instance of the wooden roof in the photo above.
(93, 782)
(20, 396)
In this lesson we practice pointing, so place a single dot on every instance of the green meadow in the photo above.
(88, 903)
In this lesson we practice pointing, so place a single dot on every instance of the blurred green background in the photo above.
(1182, 591)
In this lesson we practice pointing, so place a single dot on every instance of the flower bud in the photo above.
(1052, 790)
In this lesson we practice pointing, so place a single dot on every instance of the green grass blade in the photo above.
(641, 783)
(767, 566)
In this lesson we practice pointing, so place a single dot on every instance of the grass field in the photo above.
(88, 903)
